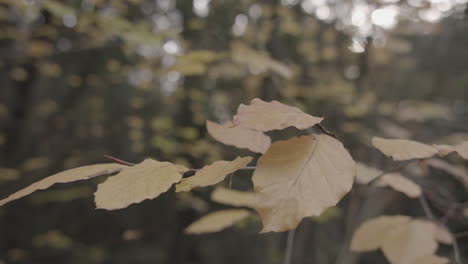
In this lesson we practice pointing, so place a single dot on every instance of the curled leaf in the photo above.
(76, 174)
(266, 116)
(403, 149)
(217, 221)
(401, 184)
(146, 180)
(233, 197)
(212, 174)
(300, 177)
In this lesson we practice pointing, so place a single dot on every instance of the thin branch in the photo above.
(119, 161)
(430, 215)
(289, 247)
(396, 169)
(325, 131)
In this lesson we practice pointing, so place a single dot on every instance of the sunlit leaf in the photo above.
(233, 197)
(76, 174)
(301, 177)
(266, 116)
(217, 221)
(146, 180)
(403, 149)
(239, 136)
(212, 174)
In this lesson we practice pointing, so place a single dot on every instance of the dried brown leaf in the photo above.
(146, 180)
(217, 221)
(76, 174)
(301, 177)
(239, 136)
(266, 116)
(212, 174)
(403, 149)
(233, 197)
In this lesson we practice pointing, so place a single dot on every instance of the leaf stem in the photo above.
(289, 247)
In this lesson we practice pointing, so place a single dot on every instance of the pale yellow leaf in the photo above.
(239, 136)
(403, 149)
(443, 235)
(233, 197)
(431, 259)
(399, 183)
(408, 242)
(146, 180)
(266, 116)
(217, 221)
(76, 174)
(462, 149)
(396, 181)
(212, 174)
(365, 174)
(372, 233)
(301, 177)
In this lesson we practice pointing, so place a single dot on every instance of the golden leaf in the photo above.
(212, 174)
(372, 234)
(408, 242)
(396, 181)
(403, 149)
(399, 183)
(301, 177)
(266, 116)
(462, 149)
(146, 180)
(76, 174)
(233, 197)
(217, 221)
(401, 238)
(239, 136)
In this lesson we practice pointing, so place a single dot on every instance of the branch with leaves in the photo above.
(293, 179)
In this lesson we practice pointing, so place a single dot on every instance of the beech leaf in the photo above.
(239, 136)
(403, 149)
(76, 174)
(301, 177)
(212, 174)
(233, 197)
(217, 221)
(396, 181)
(402, 239)
(146, 180)
(266, 116)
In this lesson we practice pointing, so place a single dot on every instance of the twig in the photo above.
(289, 247)
(396, 169)
(119, 161)
(430, 215)
(325, 131)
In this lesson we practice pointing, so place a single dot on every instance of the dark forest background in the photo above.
(80, 79)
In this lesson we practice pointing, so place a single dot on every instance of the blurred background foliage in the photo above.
(138, 78)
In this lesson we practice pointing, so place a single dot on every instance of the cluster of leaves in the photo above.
(293, 179)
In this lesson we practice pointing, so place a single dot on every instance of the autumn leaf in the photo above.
(265, 116)
(76, 174)
(233, 197)
(217, 221)
(146, 180)
(301, 177)
(462, 149)
(400, 183)
(396, 181)
(212, 174)
(403, 149)
(239, 136)
(401, 238)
